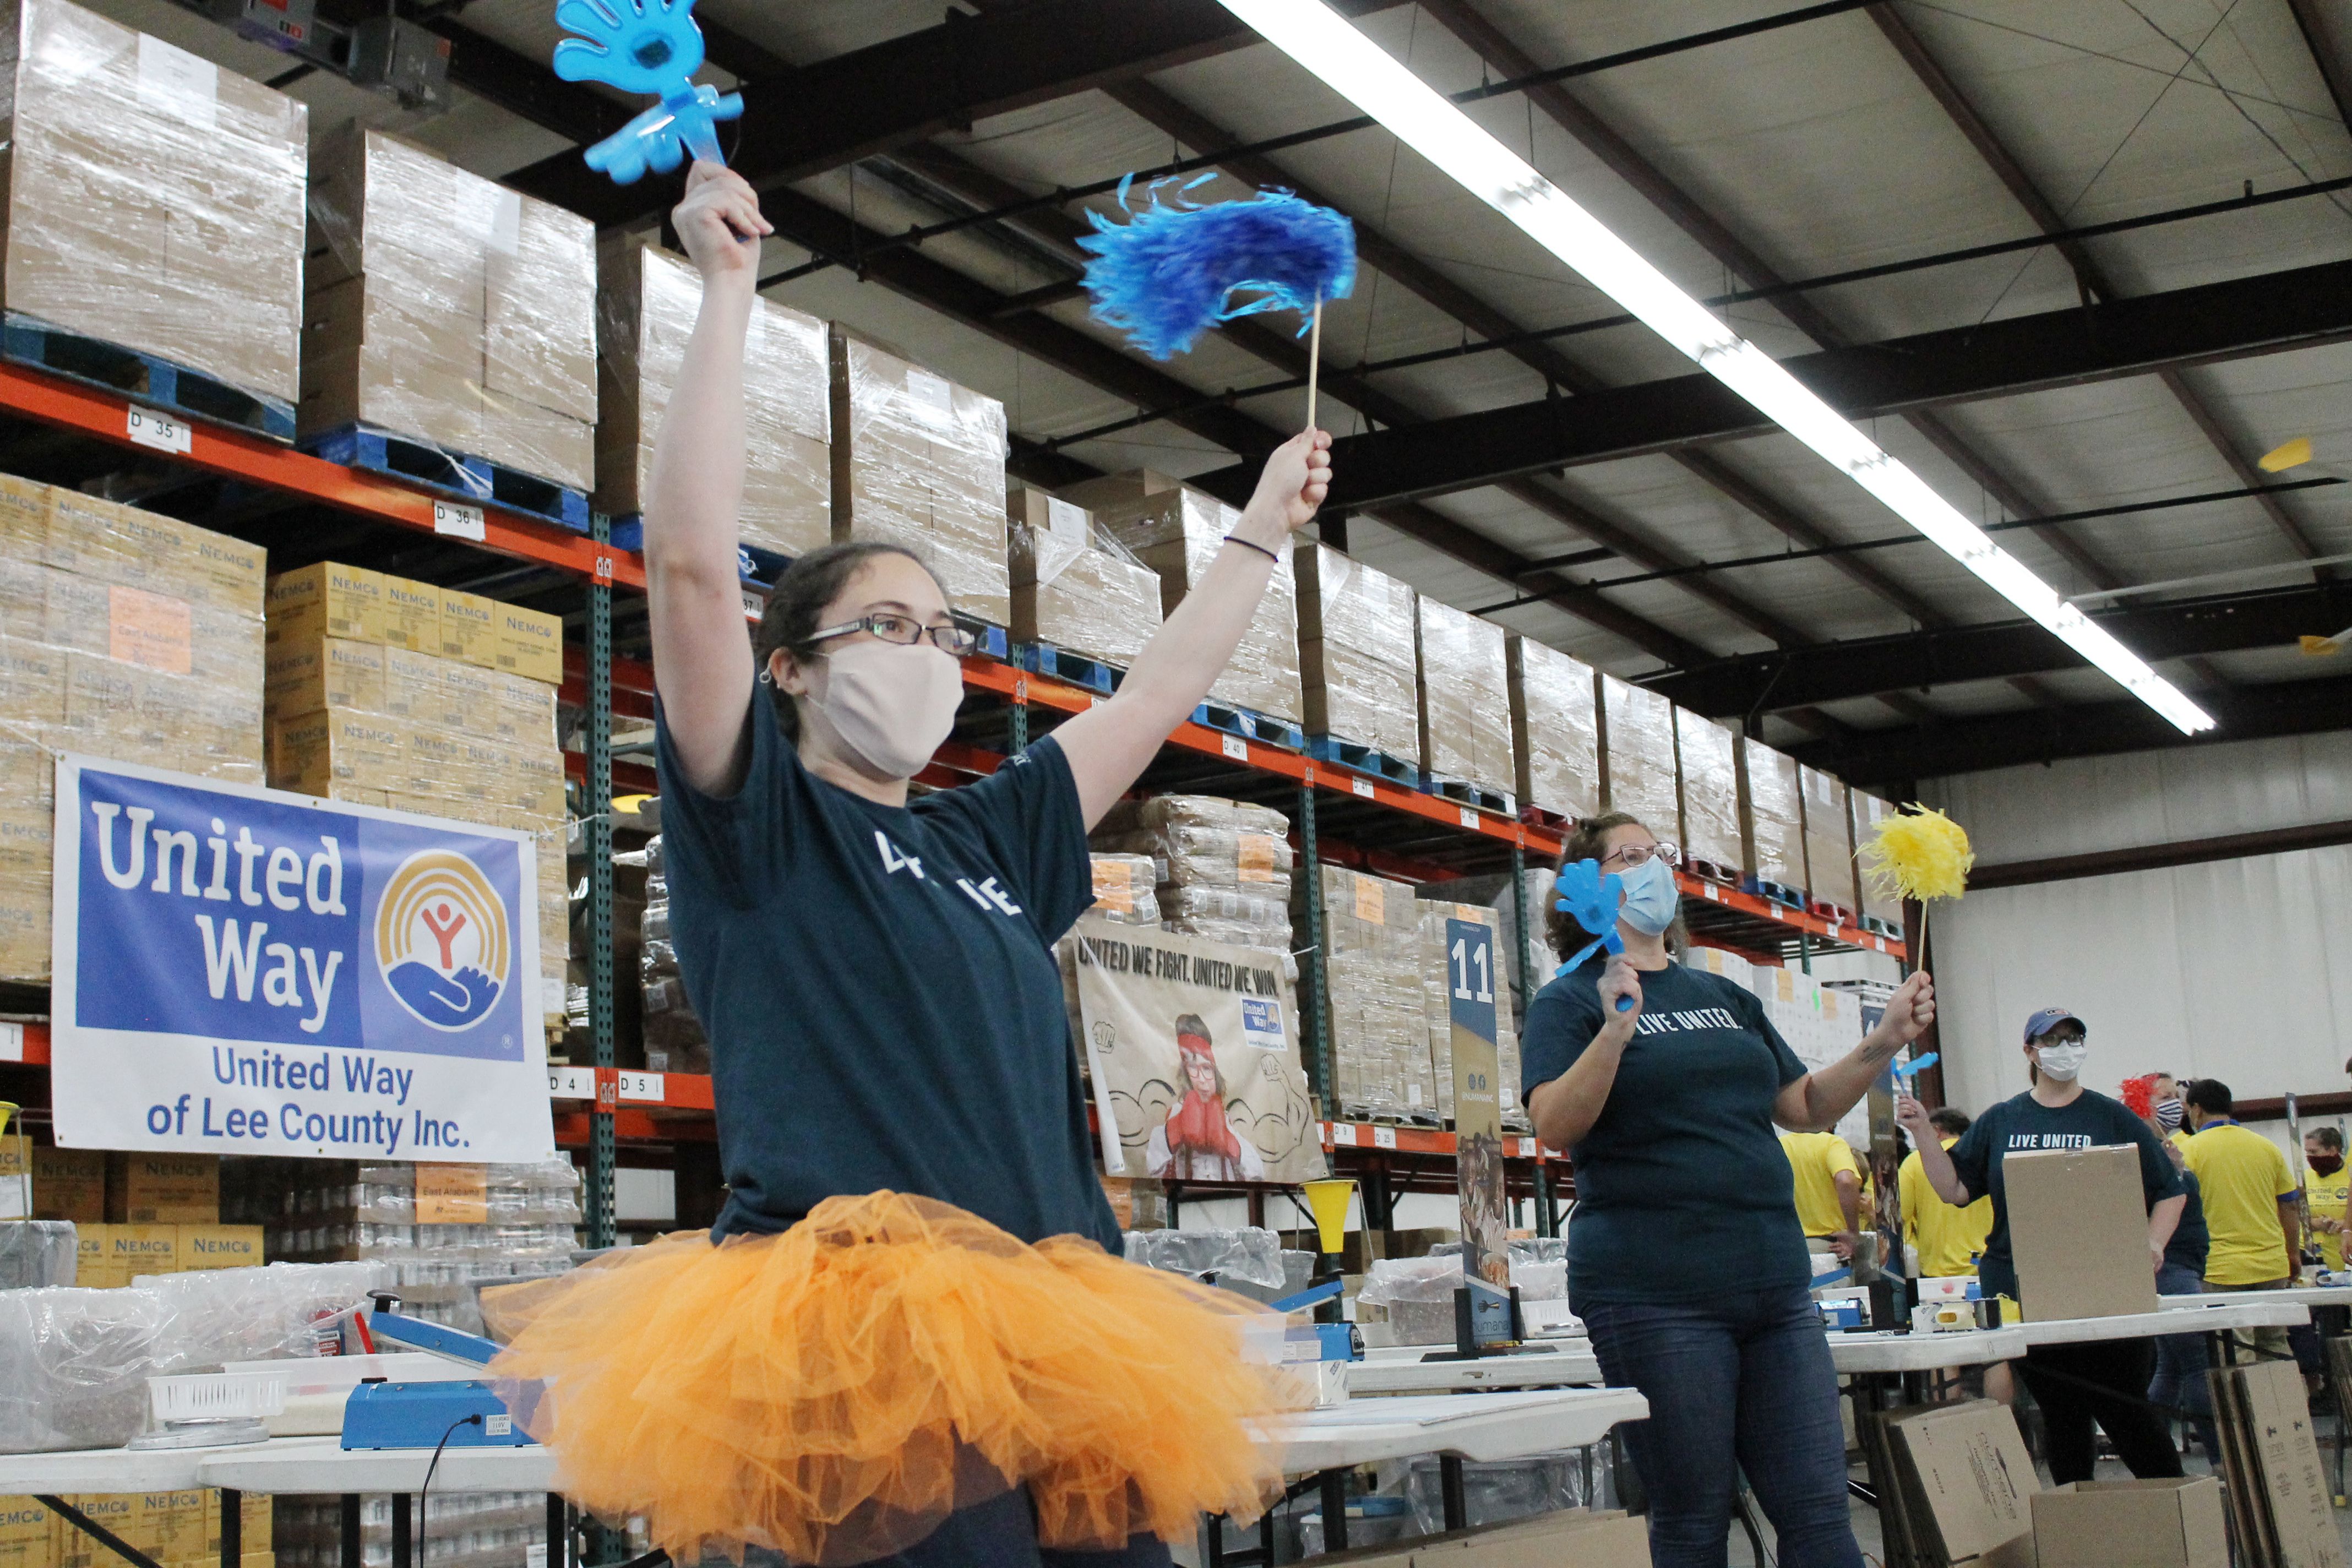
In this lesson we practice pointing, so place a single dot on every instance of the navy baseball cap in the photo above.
(2049, 1018)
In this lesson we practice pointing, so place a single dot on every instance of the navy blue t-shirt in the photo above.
(1681, 1184)
(880, 991)
(2090, 1120)
(2190, 1240)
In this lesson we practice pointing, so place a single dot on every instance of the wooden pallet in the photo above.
(1837, 914)
(145, 378)
(1462, 792)
(1232, 719)
(752, 562)
(1368, 760)
(477, 481)
(1077, 669)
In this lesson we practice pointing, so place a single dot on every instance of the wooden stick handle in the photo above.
(1314, 358)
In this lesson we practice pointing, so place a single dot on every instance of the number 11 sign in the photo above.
(1478, 1130)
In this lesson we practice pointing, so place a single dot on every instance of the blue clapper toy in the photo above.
(650, 46)
(1592, 901)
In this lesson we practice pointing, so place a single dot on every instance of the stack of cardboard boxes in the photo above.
(1437, 1009)
(1074, 585)
(1555, 729)
(140, 1213)
(919, 461)
(153, 200)
(448, 309)
(1637, 760)
(172, 1529)
(381, 691)
(1828, 838)
(1223, 866)
(1356, 660)
(1466, 712)
(124, 634)
(1380, 1026)
(1869, 811)
(1707, 758)
(648, 301)
(1771, 817)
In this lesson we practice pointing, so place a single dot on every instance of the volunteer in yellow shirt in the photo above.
(2329, 1189)
(2249, 1196)
(1829, 1187)
(1949, 1238)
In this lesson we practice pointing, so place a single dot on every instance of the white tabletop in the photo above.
(2182, 1315)
(2304, 1295)
(322, 1464)
(1484, 1426)
(1402, 1370)
(100, 1470)
(1864, 1354)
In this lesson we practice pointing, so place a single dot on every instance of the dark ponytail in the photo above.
(796, 607)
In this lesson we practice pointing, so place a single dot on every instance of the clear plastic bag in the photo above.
(1253, 1254)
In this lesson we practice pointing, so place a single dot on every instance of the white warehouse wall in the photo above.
(2240, 969)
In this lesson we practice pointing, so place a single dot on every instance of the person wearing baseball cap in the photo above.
(2078, 1385)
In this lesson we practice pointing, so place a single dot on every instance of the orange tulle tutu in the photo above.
(834, 1392)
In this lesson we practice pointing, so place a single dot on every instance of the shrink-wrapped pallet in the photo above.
(647, 302)
(1176, 531)
(1555, 729)
(155, 201)
(919, 461)
(1074, 585)
(1437, 1008)
(1356, 663)
(448, 309)
(1869, 811)
(1379, 1036)
(1466, 706)
(1707, 757)
(125, 636)
(1771, 817)
(1828, 838)
(1637, 728)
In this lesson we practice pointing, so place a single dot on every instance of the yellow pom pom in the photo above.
(1921, 855)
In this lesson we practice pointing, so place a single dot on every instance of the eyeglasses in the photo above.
(906, 631)
(1634, 854)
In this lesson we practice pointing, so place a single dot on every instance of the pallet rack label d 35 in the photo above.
(245, 971)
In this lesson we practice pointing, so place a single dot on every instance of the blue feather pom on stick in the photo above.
(1171, 270)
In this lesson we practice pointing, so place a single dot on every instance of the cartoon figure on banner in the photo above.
(441, 939)
(650, 46)
(1482, 1172)
(1197, 1142)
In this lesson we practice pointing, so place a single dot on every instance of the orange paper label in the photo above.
(150, 629)
(1114, 886)
(1254, 854)
(453, 1195)
(1372, 901)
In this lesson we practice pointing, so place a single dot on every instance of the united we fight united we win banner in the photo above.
(242, 970)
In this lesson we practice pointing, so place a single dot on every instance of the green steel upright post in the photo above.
(601, 1154)
(1018, 720)
(1519, 919)
(1317, 1000)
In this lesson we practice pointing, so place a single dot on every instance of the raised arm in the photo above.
(1108, 747)
(703, 649)
(1935, 1160)
(1815, 1101)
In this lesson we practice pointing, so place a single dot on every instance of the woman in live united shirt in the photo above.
(910, 1335)
(1686, 1261)
(2104, 1381)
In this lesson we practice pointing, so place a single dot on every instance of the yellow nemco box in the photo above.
(69, 1183)
(219, 1246)
(327, 600)
(412, 615)
(470, 629)
(137, 1249)
(75, 1550)
(530, 644)
(163, 1189)
(253, 1538)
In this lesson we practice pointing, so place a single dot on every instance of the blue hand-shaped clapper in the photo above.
(1591, 899)
(650, 46)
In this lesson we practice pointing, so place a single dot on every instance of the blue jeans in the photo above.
(2181, 1363)
(1742, 1382)
(1000, 1533)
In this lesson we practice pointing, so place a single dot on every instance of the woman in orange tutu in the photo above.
(909, 1337)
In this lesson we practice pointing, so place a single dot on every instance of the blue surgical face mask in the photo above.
(1652, 899)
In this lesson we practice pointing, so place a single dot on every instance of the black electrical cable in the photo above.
(426, 1489)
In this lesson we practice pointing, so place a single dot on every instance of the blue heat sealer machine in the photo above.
(464, 1413)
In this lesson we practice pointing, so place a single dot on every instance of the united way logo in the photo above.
(441, 939)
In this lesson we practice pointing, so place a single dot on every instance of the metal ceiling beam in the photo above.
(2301, 308)
(1833, 672)
(2319, 37)
(2089, 276)
(1876, 758)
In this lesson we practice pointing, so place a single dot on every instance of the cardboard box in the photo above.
(1771, 820)
(28, 1533)
(1967, 1483)
(69, 1183)
(132, 1250)
(648, 301)
(169, 1526)
(530, 644)
(1177, 533)
(469, 629)
(255, 1520)
(2174, 1523)
(204, 1246)
(112, 1510)
(1075, 587)
(1830, 871)
(1555, 728)
(412, 615)
(307, 676)
(1707, 762)
(153, 200)
(2078, 1230)
(163, 1189)
(1868, 812)
(1358, 670)
(345, 602)
(1465, 698)
(1637, 756)
(2279, 1485)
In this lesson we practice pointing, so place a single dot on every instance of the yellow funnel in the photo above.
(2286, 454)
(2322, 647)
(1328, 1200)
(9, 1108)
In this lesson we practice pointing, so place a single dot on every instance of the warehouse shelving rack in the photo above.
(299, 505)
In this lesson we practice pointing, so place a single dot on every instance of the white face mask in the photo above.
(892, 703)
(2063, 1059)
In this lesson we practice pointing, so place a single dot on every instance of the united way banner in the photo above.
(242, 970)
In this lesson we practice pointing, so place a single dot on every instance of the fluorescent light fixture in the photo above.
(1432, 125)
